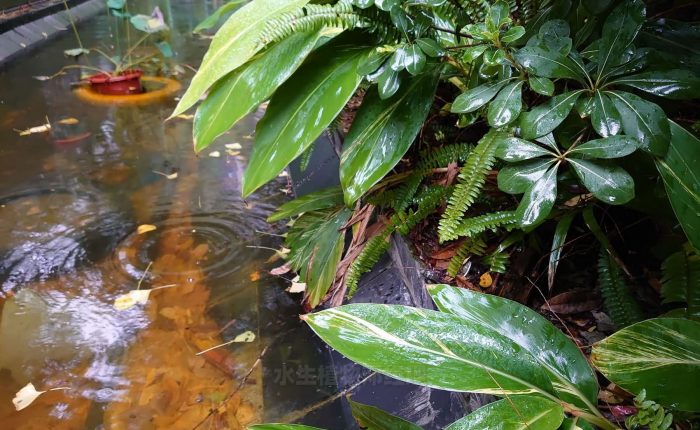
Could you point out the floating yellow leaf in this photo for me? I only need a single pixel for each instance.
(485, 280)
(68, 121)
(28, 394)
(234, 145)
(131, 298)
(255, 276)
(215, 154)
(145, 228)
(247, 337)
(233, 153)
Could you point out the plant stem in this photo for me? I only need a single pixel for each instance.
(72, 24)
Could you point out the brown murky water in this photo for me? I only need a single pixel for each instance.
(69, 247)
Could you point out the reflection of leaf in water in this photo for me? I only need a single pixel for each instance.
(28, 394)
(145, 228)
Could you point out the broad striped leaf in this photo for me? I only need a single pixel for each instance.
(322, 199)
(515, 413)
(660, 355)
(572, 377)
(431, 348)
(234, 44)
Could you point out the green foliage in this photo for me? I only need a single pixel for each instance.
(497, 261)
(490, 221)
(621, 305)
(650, 414)
(371, 418)
(681, 281)
(534, 413)
(309, 18)
(470, 246)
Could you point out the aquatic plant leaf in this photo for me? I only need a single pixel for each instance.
(322, 199)
(427, 347)
(515, 413)
(660, 355)
(145, 228)
(382, 132)
(546, 117)
(371, 418)
(619, 31)
(678, 170)
(214, 18)
(302, 108)
(572, 378)
(241, 91)
(644, 120)
(233, 45)
(610, 183)
(131, 299)
(507, 105)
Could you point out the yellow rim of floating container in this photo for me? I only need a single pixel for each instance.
(167, 88)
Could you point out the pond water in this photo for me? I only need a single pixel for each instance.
(71, 203)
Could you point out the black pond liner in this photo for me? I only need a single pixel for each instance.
(395, 279)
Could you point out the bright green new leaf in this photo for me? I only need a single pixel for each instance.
(546, 117)
(515, 413)
(619, 31)
(673, 84)
(322, 199)
(371, 418)
(431, 348)
(382, 132)
(541, 85)
(610, 147)
(644, 120)
(514, 149)
(558, 242)
(572, 377)
(660, 355)
(475, 98)
(238, 93)
(605, 118)
(234, 44)
(519, 177)
(608, 182)
(214, 18)
(507, 105)
(498, 15)
(538, 201)
(301, 109)
(682, 181)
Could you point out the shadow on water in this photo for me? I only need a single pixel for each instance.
(69, 211)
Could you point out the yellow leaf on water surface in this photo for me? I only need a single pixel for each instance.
(130, 299)
(145, 228)
(233, 146)
(44, 128)
(485, 280)
(255, 276)
(28, 394)
(247, 337)
(68, 121)
(167, 176)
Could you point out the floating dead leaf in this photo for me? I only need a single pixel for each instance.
(281, 270)
(68, 121)
(42, 78)
(145, 228)
(44, 128)
(134, 297)
(28, 394)
(167, 176)
(245, 337)
(234, 146)
(186, 116)
(255, 276)
(215, 154)
(485, 280)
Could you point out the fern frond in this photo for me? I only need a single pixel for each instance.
(497, 261)
(311, 17)
(471, 180)
(433, 158)
(470, 246)
(365, 261)
(479, 224)
(475, 10)
(428, 200)
(406, 191)
(379, 23)
(621, 305)
(681, 281)
(306, 157)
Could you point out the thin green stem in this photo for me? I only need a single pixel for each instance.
(72, 24)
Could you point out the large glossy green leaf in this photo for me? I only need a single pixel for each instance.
(516, 413)
(661, 356)
(371, 418)
(214, 18)
(644, 120)
(541, 85)
(281, 427)
(538, 201)
(610, 147)
(301, 109)
(546, 117)
(673, 84)
(431, 348)
(682, 180)
(507, 105)
(514, 149)
(558, 242)
(322, 199)
(548, 64)
(572, 377)
(234, 44)
(239, 92)
(605, 118)
(382, 132)
(475, 98)
(519, 177)
(620, 29)
(610, 183)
